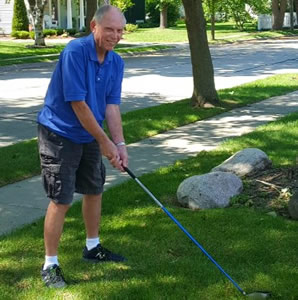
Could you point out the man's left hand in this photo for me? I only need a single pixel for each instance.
(123, 156)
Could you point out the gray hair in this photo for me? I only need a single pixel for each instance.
(101, 11)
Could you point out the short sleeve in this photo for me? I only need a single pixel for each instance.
(73, 76)
(114, 96)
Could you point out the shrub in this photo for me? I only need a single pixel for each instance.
(131, 27)
(60, 31)
(20, 20)
(49, 32)
(21, 34)
(71, 31)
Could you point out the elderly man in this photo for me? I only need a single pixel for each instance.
(85, 89)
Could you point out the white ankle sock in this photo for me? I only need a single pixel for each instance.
(92, 243)
(50, 260)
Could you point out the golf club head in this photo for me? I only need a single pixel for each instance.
(258, 295)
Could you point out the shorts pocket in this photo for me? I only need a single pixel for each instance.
(52, 183)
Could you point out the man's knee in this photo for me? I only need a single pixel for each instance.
(57, 207)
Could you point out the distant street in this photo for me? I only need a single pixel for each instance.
(149, 80)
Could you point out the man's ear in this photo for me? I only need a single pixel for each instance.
(92, 25)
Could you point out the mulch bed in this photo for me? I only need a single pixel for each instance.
(270, 190)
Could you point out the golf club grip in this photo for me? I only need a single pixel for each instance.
(130, 173)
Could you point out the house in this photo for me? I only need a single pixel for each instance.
(66, 14)
(6, 11)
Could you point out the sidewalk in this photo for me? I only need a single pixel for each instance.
(24, 202)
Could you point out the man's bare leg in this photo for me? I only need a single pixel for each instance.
(53, 227)
(91, 209)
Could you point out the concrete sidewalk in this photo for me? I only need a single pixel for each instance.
(24, 202)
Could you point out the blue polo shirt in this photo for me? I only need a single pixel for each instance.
(79, 76)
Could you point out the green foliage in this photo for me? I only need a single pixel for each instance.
(60, 31)
(21, 34)
(20, 20)
(46, 32)
(71, 32)
(122, 4)
(32, 35)
(49, 32)
(131, 28)
(235, 9)
(153, 8)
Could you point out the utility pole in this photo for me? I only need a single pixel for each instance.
(292, 15)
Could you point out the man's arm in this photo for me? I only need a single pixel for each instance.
(88, 121)
(113, 117)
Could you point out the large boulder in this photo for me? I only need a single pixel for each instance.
(245, 162)
(293, 206)
(210, 190)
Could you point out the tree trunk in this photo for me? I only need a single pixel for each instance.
(296, 9)
(204, 93)
(91, 9)
(36, 13)
(278, 10)
(164, 17)
(212, 20)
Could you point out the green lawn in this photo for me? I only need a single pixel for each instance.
(259, 251)
(224, 33)
(20, 161)
(17, 53)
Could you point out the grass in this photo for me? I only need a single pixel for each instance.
(257, 250)
(17, 53)
(20, 161)
(224, 33)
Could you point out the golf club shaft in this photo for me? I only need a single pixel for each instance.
(184, 230)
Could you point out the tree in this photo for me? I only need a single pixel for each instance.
(20, 19)
(237, 10)
(204, 93)
(210, 7)
(91, 9)
(278, 9)
(35, 9)
(93, 4)
(122, 4)
(163, 6)
(296, 8)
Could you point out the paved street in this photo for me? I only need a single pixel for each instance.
(149, 80)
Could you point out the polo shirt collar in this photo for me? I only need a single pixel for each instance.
(92, 50)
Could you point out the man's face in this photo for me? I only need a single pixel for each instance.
(109, 32)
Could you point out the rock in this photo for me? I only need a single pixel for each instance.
(293, 206)
(210, 190)
(245, 162)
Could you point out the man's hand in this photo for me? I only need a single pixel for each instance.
(110, 151)
(123, 156)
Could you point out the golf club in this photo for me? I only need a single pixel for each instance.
(255, 295)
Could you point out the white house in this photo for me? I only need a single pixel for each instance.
(58, 13)
(6, 11)
(66, 14)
